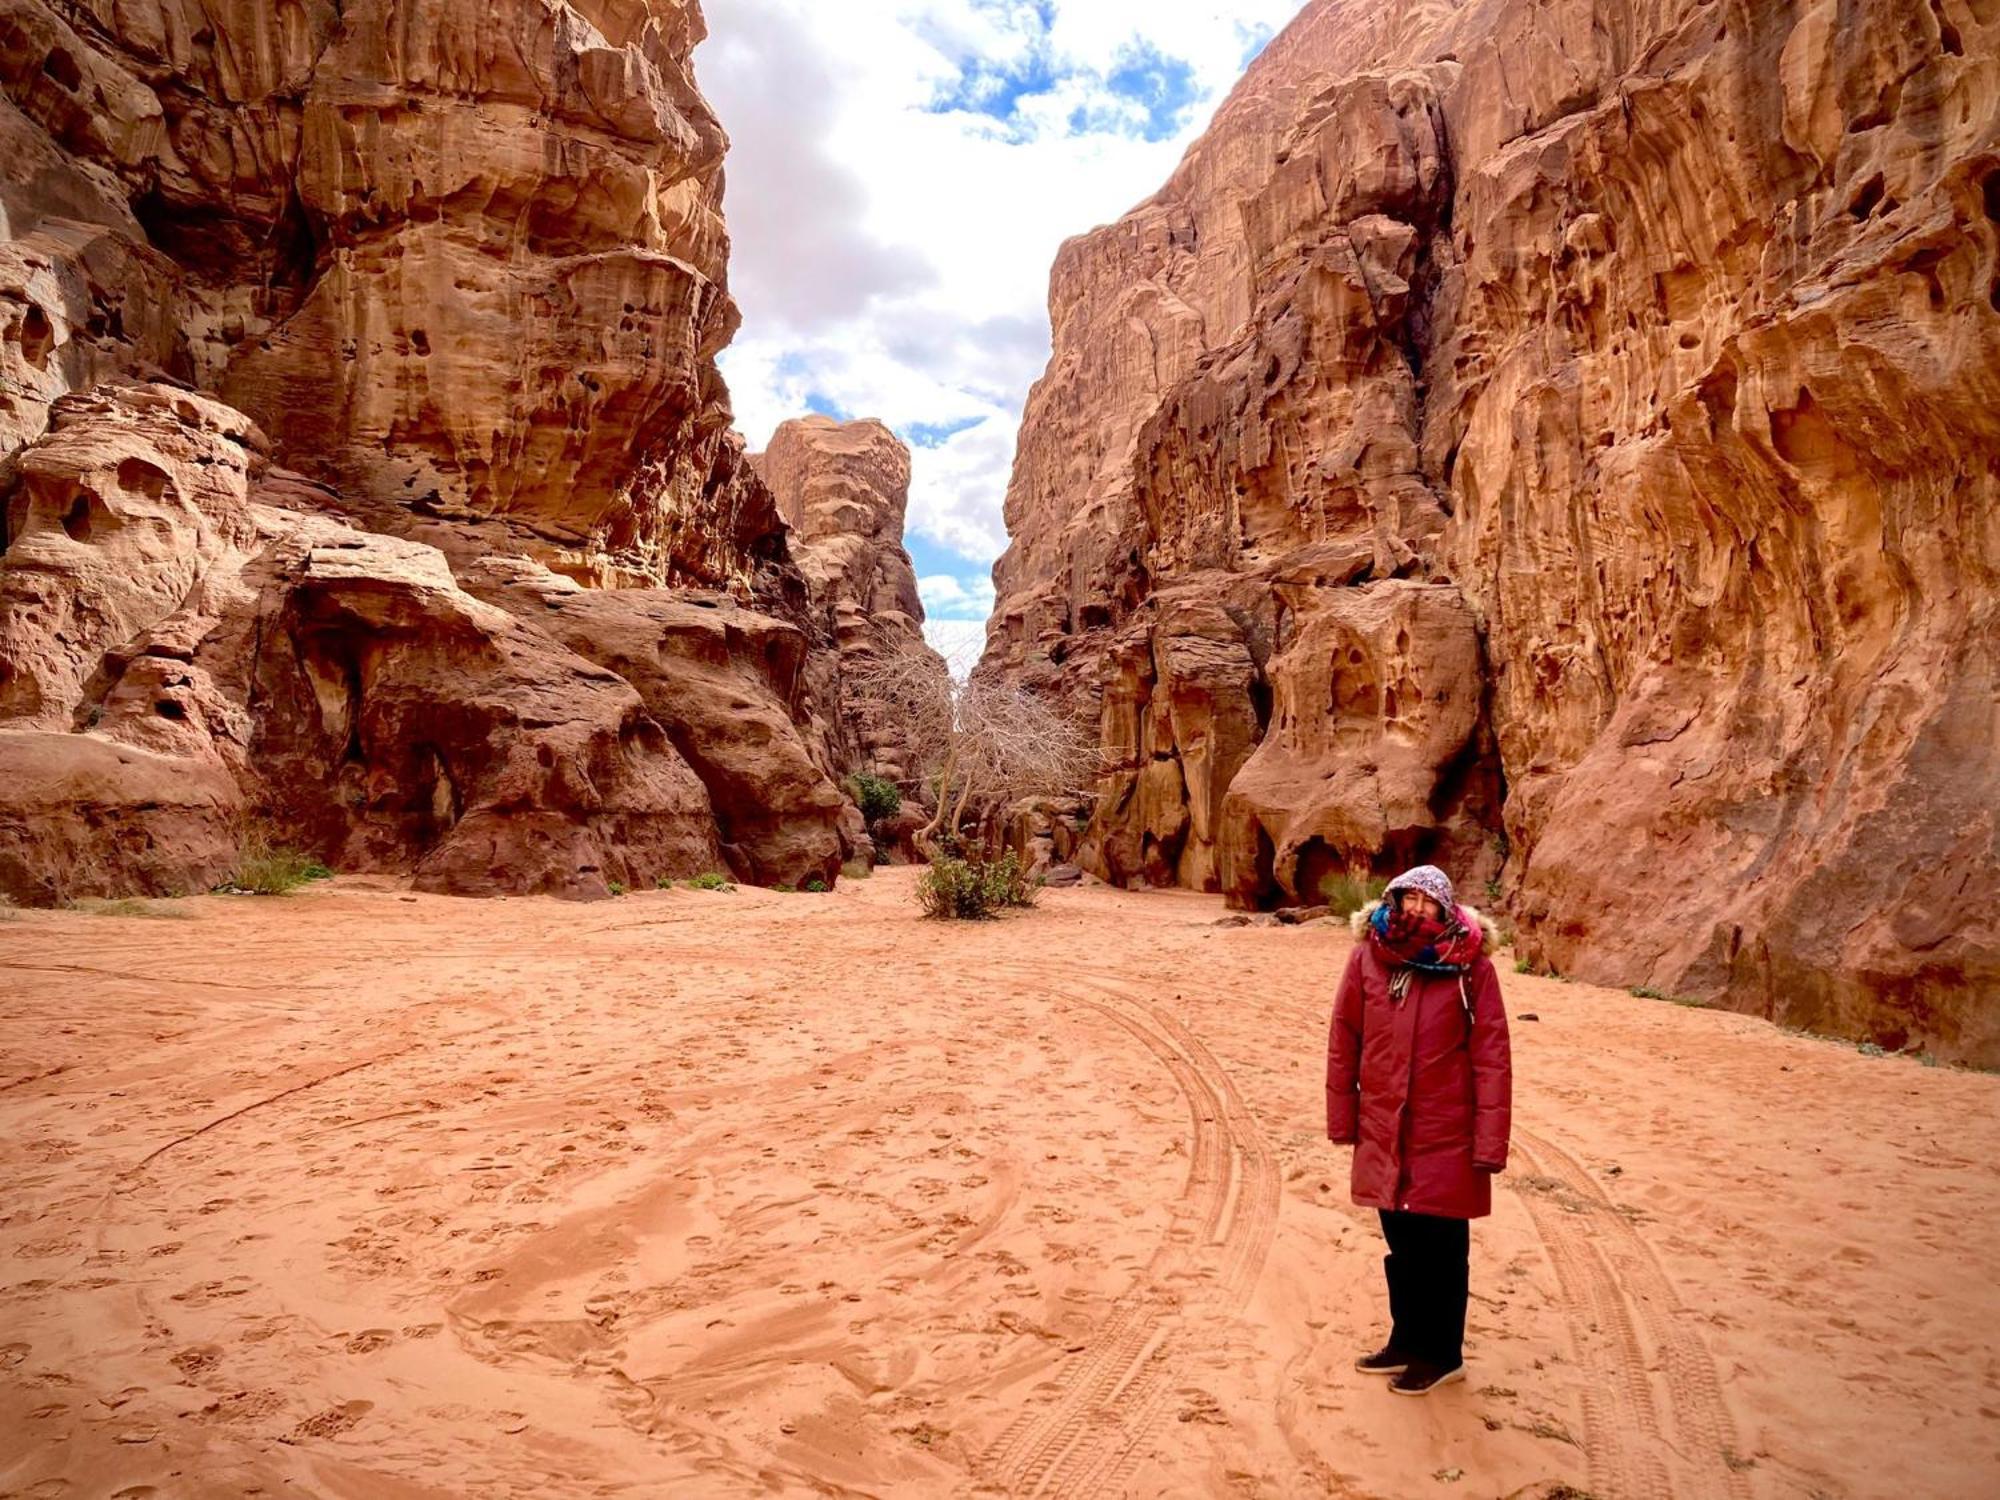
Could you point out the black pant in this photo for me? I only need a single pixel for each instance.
(1428, 1267)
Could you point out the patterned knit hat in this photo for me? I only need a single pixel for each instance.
(1429, 879)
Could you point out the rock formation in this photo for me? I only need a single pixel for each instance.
(1558, 439)
(339, 346)
(843, 490)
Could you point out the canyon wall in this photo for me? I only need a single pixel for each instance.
(366, 479)
(1558, 440)
(843, 490)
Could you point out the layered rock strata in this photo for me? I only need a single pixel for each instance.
(844, 489)
(338, 345)
(1558, 439)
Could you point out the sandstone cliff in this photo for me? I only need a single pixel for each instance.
(1559, 440)
(340, 345)
(844, 489)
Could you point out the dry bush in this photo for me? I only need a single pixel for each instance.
(978, 745)
(274, 870)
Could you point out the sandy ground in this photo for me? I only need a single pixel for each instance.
(362, 1194)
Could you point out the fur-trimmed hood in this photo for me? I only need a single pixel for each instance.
(1489, 933)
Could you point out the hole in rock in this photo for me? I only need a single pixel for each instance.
(420, 341)
(138, 477)
(1868, 199)
(60, 66)
(1990, 190)
(166, 708)
(38, 337)
(77, 520)
(1317, 868)
(1264, 892)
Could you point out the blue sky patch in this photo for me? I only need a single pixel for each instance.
(1255, 40)
(1149, 93)
(1164, 87)
(937, 434)
(826, 406)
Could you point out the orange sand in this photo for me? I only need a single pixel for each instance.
(360, 1194)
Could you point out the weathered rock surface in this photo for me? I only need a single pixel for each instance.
(469, 259)
(326, 334)
(843, 489)
(1560, 431)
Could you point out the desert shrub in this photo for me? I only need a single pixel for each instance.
(1347, 894)
(710, 881)
(815, 886)
(1006, 883)
(663, 882)
(957, 888)
(952, 889)
(877, 799)
(274, 870)
(857, 869)
(617, 887)
(785, 888)
(1522, 966)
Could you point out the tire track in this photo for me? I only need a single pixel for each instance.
(1088, 1438)
(1655, 1424)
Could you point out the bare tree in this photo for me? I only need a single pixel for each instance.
(981, 745)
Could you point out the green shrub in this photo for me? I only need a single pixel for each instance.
(956, 888)
(1522, 966)
(1347, 894)
(877, 799)
(857, 869)
(274, 870)
(617, 887)
(816, 886)
(952, 890)
(663, 882)
(1646, 992)
(710, 881)
(786, 888)
(1006, 883)
(881, 853)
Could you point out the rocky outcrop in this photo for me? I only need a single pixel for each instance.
(466, 260)
(1563, 434)
(337, 346)
(843, 489)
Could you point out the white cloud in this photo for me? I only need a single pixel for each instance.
(892, 258)
(951, 598)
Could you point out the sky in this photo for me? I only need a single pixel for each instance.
(900, 175)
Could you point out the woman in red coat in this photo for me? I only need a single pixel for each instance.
(1419, 1082)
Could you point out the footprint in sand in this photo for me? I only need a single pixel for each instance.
(369, 1340)
(332, 1422)
(196, 1360)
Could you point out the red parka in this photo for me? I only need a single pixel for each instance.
(1422, 1091)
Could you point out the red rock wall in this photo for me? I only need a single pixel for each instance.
(844, 489)
(1560, 434)
(338, 343)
